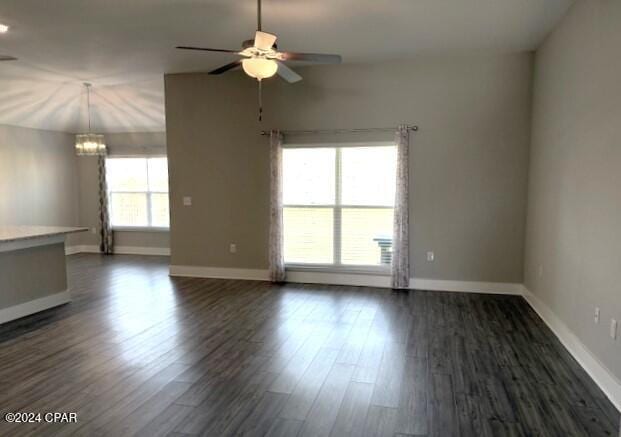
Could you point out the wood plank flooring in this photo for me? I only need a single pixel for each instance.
(139, 353)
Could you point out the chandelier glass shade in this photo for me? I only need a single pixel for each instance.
(89, 144)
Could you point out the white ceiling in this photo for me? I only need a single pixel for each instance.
(125, 46)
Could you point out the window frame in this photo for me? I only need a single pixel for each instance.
(147, 228)
(337, 208)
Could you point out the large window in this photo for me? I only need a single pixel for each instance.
(338, 205)
(138, 192)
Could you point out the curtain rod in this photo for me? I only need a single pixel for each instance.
(339, 131)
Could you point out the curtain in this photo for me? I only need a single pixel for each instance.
(276, 256)
(106, 244)
(400, 240)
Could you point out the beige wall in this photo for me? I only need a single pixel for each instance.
(573, 256)
(118, 144)
(38, 178)
(469, 160)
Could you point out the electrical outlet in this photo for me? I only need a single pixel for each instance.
(596, 318)
(94, 230)
(613, 329)
(187, 201)
(431, 256)
(233, 248)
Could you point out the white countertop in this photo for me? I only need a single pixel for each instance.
(10, 234)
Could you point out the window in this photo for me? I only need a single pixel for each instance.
(138, 192)
(338, 205)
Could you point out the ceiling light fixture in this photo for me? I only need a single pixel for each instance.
(260, 68)
(4, 28)
(89, 144)
(261, 59)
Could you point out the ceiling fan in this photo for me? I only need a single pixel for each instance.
(261, 59)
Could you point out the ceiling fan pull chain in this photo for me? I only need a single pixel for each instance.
(260, 100)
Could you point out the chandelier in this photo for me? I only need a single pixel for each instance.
(89, 144)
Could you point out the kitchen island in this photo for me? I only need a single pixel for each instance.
(33, 272)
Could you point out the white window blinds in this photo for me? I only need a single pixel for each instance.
(338, 205)
(138, 192)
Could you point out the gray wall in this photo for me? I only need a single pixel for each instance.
(17, 283)
(573, 256)
(38, 178)
(469, 160)
(43, 182)
(118, 144)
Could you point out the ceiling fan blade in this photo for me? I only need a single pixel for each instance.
(226, 68)
(288, 74)
(310, 57)
(204, 49)
(264, 40)
(7, 58)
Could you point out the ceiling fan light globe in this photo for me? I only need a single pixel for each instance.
(260, 68)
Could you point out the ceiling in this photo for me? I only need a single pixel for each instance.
(124, 47)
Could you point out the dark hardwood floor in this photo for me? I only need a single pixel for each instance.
(139, 353)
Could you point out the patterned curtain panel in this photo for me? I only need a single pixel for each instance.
(276, 256)
(106, 245)
(401, 242)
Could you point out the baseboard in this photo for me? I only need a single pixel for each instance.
(466, 286)
(602, 376)
(135, 250)
(120, 250)
(219, 273)
(34, 306)
(359, 280)
(332, 278)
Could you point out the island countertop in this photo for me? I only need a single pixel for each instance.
(9, 234)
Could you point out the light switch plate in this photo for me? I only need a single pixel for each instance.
(187, 201)
(431, 256)
(233, 248)
(613, 329)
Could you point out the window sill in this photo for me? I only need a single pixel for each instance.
(361, 270)
(139, 229)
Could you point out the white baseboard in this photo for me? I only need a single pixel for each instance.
(602, 376)
(120, 250)
(355, 279)
(34, 306)
(466, 286)
(219, 273)
(360, 280)
(135, 250)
